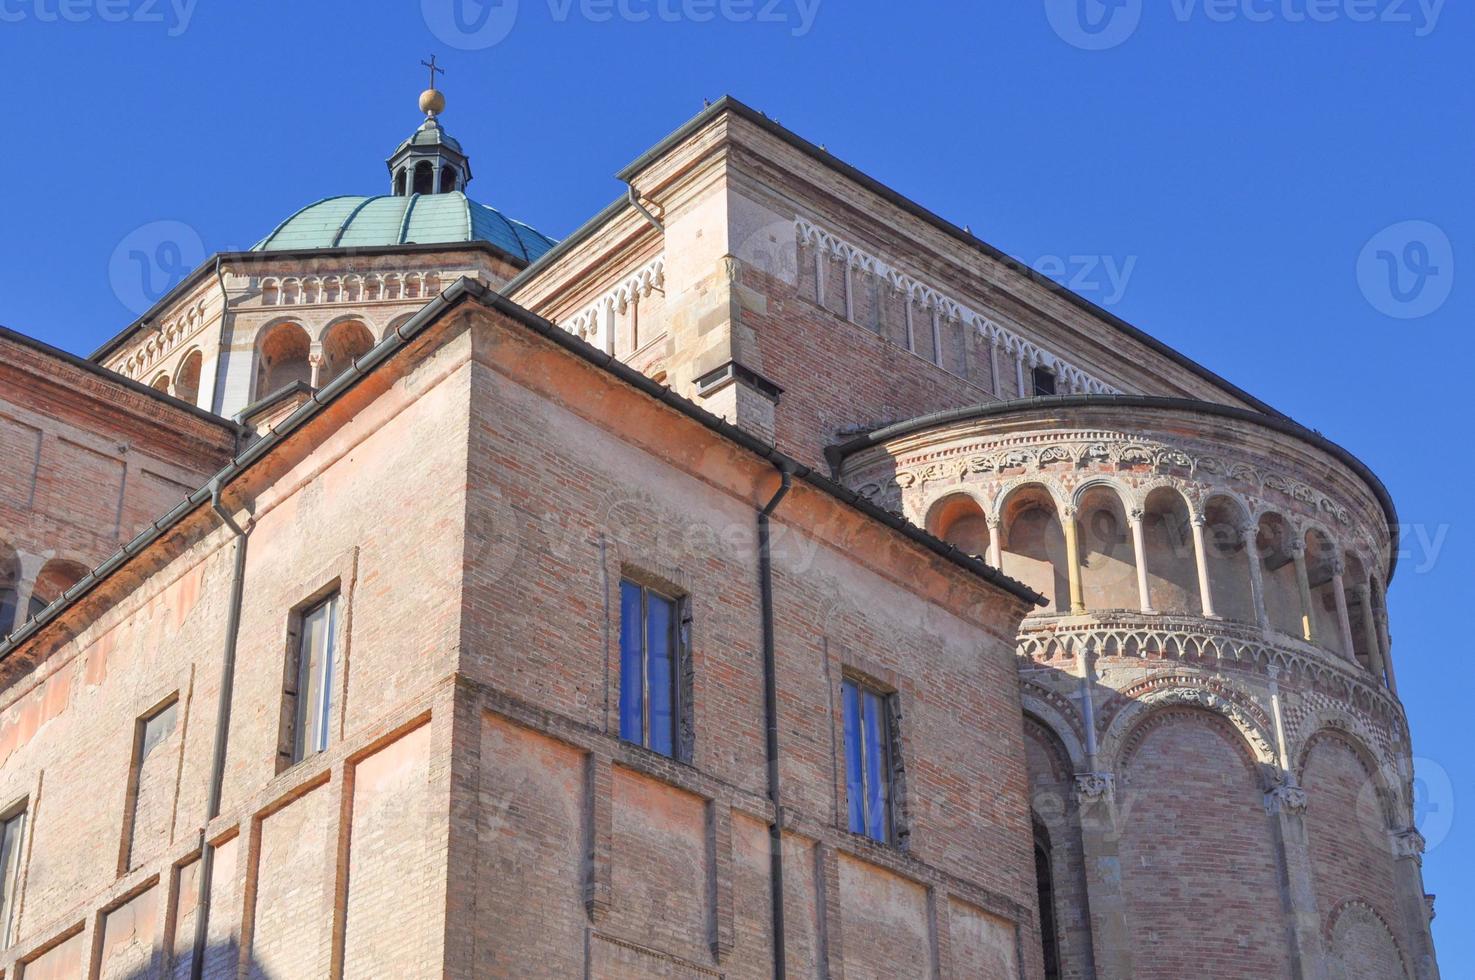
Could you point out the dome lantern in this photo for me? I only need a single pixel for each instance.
(431, 160)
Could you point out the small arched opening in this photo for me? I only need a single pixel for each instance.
(1033, 545)
(281, 358)
(424, 177)
(1108, 558)
(160, 382)
(958, 520)
(1321, 564)
(1359, 612)
(399, 182)
(1278, 575)
(447, 179)
(187, 378)
(55, 577)
(342, 344)
(1228, 560)
(1172, 569)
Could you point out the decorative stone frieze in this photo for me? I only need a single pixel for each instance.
(927, 297)
(591, 323)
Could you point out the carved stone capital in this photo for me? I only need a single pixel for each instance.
(1095, 787)
(1409, 844)
(1286, 798)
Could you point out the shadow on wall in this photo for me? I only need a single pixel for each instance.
(221, 960)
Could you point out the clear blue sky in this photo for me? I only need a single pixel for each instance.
(1229, 163)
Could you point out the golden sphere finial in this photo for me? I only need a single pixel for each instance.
(432, 102)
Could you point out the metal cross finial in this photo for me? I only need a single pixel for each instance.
(433, 69)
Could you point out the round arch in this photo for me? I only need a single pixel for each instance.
(187, 377)
(958, 518)
(282, 351)
(1032, 541)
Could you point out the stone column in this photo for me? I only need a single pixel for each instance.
(1139, 550)
(1344, 620)
(1111, 940)
(1303, 584)
(995, 543)
(1386, 640)
(1201, 558)
(1019, 373)
(315, 365)
(1285, 805)
(993, 365)
(1073, 561)
(1370, 628)
(1251, 532)
(1413, 904)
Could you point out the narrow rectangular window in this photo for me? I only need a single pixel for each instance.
(868, 760)
(12, 839)
(1044, 381)
(313, 694)
(145, 822)
(650, 669)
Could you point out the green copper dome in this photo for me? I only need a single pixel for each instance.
(344, 222)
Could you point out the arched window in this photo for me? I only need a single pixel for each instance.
(399, 183)
(282, 358)
(344, 342)
(447, 179)
(160, 383)
(9, 587)
(187, 378)
(424, 177)
(55, 577)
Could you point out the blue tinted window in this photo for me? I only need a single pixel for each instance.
(660, 626)
(867, 761)
(632, 664)
(855, 786)
(649, 674)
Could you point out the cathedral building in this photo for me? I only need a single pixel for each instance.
(767, 579)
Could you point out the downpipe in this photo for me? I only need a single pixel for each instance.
(770, 717)
(222, 730)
